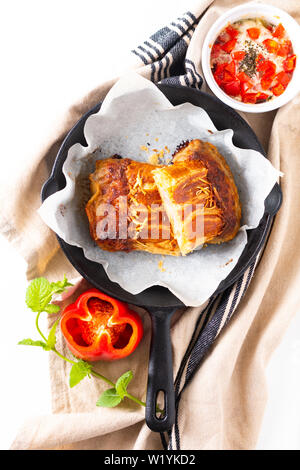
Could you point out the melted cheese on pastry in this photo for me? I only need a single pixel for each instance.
(200, 196)
(138, 221)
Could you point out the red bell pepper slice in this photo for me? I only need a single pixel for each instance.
(233, 33)
(283, 78)
(255, 98)
(229, 45)
(253, 33)
(278, 89)
(232, 88)
(227, 77)
(279, 31)
(289, 64)
(284, 49)
(266, 66)
(224, 72)
(271, 45)
(266, 81)
(244, 88)
(218, 73)
(261, 97)
(243, 77)
(215, 51)
(230, 68)
(249, 97)
(238, 55)
(99, 327)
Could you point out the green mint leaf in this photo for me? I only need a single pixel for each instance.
(78, 372)
(109, 399)
(38, 294)
(122, 383)
(51, 341)
(51, 308)
(30, 342)
(60, 286)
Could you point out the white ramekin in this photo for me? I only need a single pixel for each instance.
(273, 15)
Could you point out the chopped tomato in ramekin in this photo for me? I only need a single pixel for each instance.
(252, 60)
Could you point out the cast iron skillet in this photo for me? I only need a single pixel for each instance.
(159, 301)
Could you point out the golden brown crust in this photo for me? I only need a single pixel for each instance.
(190, 202)
(112, 175)
(134, 182)
(220, 177)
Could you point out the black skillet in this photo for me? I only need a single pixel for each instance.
(159, 301)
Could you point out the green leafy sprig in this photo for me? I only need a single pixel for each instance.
(39, 296)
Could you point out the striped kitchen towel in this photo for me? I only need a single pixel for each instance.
(167, 58)
(208, 326)
(164, 54)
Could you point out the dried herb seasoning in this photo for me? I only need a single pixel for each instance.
(248, 64)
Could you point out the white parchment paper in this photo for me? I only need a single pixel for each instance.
(135, 115)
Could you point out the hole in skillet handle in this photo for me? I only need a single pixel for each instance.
(160, 372)
(160, 404)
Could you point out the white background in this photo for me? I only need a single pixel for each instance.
(52, 53)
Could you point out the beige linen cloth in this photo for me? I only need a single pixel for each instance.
(225, 402)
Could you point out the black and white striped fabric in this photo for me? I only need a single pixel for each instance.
(164, 56)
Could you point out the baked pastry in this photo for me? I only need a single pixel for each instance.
(125, 211)
(169, 210)
(201, 181)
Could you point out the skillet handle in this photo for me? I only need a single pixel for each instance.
(273, 200)
(160, 373)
